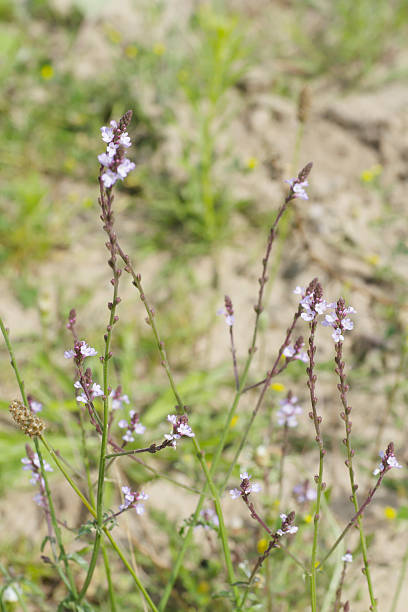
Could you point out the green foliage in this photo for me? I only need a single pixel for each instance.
(346, 38)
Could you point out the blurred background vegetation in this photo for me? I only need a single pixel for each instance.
(229, 99)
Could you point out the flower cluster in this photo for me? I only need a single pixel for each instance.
(339, 320)
(116, 165)
(246, 487)
(92, 391)
(209, 517)
(303, 492)
(227, 311)
(118, 399)
(287, 526)
(180, 428)
(297, 188)
(312, 302)
(32, 463)
(133, 499)
(89, 389)
(292, 352)
(389, 461)
(335, 313)
(80, 351)
(132, 426)
(288, 411)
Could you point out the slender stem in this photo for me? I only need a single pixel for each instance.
(315, 291)
(181, 406)
(13, 362)
(104, 529)
(337, 603)
(105, 200)
(92, 498)
(266, 383)
(234, 357)
(149, 468)
(68, 580)
(353, 520)
(68, 478)
(111, 590)
(345, 415)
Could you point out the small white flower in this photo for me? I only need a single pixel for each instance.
(87, 351)
(245, 476)
(36, 406)
(111, 150)
(109, 178)
(303, 356)
(97, 390)
(107, 133)
(125, 167)
(235, 493)
(229, 319)
(12, 592)
(299, 290)
(69, 354)
(125, 140)
(185, 430)
(308, 315)
(128, 436)
(337, 335)
(172, 418)
(123, 424)
(256, 487)
(105, 160)
(289, 351)
(392, 461)
(139, 508)
(139, 428)
(347, 558)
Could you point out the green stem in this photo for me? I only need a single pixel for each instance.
(92, 498)
(237, 396)
(111, 590)
(68, 580)
(104, 529)
(200, 454)
(313, 568)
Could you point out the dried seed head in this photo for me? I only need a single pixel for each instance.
(30, 424)
(304, 173)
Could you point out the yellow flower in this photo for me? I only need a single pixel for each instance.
(114, 36)
(390, 513)
(47, 72)
(368, 176)
(203, 587)
(234, 420)
(262, 545)
(252, 163)
(131, 51)
(308, 518)
(372, 258)
(278, 387)
(159, 49)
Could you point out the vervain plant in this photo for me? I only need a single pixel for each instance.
(99, 405)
